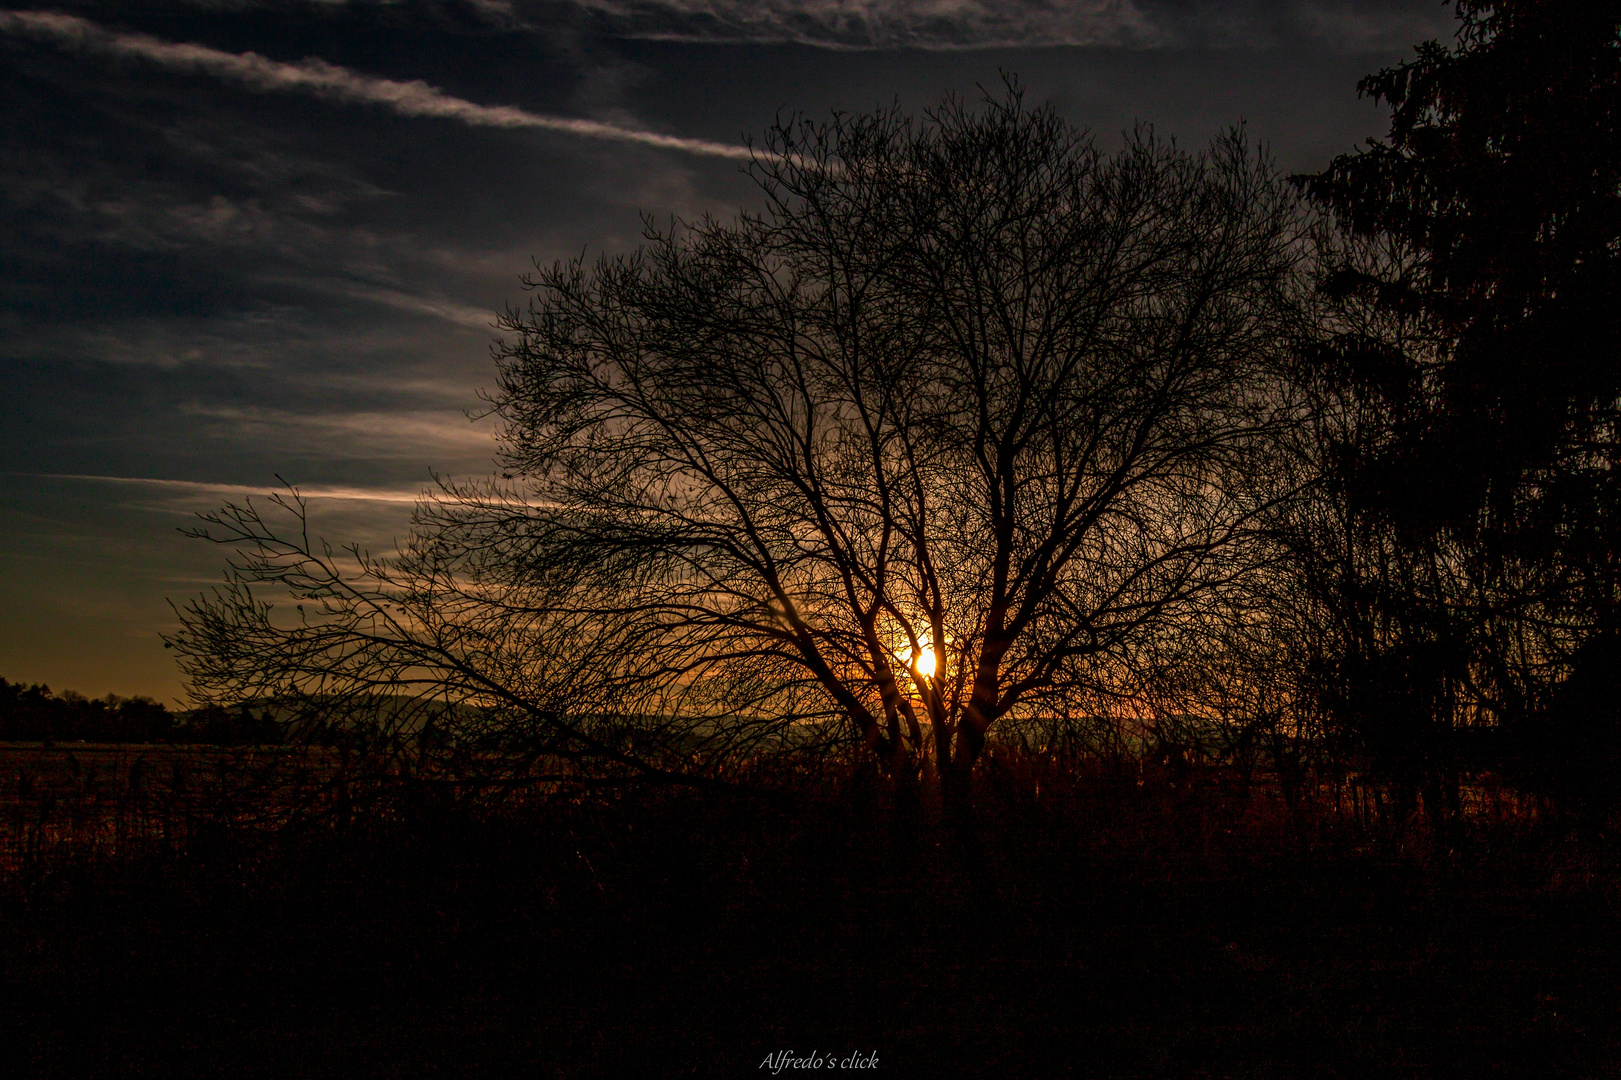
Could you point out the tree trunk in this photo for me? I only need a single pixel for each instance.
(957, 797)
(957, 770)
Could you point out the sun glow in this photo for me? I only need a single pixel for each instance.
(922, 662)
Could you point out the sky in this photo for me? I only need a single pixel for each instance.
(243, 243)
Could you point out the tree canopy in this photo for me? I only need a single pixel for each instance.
(1501, 179)
(1478, 281)
(969, 420)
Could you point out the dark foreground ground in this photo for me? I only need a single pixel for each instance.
(1111, 929)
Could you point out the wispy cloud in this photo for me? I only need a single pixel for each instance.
(884, 24)
(317, 78)
(435, 307)
(400, 435)
(999, 24)
(195, 487)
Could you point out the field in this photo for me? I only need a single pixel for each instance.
(1104, 921)
(119, 800)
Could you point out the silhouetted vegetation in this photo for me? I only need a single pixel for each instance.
(970, 428)
(34, 714)
(1473, 439)
(1126, 919)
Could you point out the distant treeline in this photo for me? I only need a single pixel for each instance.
(35, 714)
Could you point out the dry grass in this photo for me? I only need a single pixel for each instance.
(90, 801)
(1121, 920)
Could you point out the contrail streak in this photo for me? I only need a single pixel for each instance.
(320, 79)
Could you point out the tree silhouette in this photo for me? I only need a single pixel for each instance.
(1502, 175)
(1488, 248)
(964, 424)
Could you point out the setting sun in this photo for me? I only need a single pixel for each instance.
(922, 662)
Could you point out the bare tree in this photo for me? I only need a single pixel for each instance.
(958, 428)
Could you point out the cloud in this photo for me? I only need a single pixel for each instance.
(377, 443)
(1370, 27)
(353, 434)
(194, 487)
(883, 24)
(998, 24)
(318, 78)
(415, 303)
